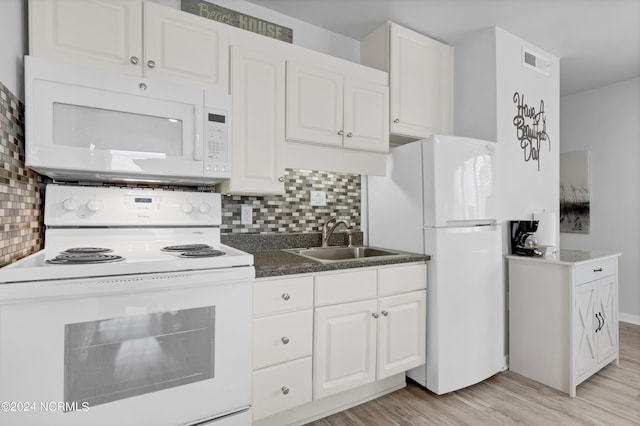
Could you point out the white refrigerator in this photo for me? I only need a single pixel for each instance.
(440, 197)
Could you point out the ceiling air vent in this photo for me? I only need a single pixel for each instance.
(533, 60)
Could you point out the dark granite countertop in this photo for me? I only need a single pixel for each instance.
(270, 260)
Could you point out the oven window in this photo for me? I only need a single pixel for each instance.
(118, 358)
(104, 129)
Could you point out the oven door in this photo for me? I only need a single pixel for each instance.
(82, 122)
(161, 349)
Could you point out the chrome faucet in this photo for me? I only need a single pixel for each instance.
(327, 231)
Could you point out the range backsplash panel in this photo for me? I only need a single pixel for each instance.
(21, 190)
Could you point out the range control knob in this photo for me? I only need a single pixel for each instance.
(93, 205)
(187, 207)
(204, 207)
(69, 204)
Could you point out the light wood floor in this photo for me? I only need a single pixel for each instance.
(610, 397)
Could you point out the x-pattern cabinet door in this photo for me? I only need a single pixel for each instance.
(586, 355)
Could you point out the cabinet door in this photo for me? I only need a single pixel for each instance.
(257, 88)
(401, 333)
(606, 308)
(344, 352)
(366, 112)
(584, 326)
(184, 47)
(102, 33)
(420, 80)
(314, 105)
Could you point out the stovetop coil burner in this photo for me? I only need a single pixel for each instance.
(86, 250)
(85, 255)
(83, 259)
(186, 248)
(210, 252)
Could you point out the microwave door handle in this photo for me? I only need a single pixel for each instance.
(197, 148)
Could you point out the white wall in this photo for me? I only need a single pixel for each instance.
(606, 122)
(12, 45)
(525, 188)
(304, 34)
(488, 71)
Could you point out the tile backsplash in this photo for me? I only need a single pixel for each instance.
(292, 211)
(22, 195)
(20, 188)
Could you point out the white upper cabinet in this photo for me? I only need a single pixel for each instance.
(330, 108)
(420, 80)
(314, 105)
(103, 33)
(108, 34)
(182, 46)
(366, 108)
(257, 89)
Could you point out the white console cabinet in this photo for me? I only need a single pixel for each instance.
(563, 316)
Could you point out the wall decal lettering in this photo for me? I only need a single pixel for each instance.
(531, 128)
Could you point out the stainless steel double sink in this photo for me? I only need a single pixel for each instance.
(340, 254)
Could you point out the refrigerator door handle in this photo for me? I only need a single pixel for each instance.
(476, 228)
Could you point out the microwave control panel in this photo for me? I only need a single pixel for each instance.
(216, 143)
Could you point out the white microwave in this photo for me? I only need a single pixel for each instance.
(87, 124)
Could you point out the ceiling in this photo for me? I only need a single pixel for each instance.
(597, 41)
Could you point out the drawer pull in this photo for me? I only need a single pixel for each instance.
(375, 315)
(285, 390)
(286, 296)
(597, 270)
(385, 313)
(285, 340)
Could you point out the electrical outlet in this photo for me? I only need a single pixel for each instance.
(246, 215)
(318, 198)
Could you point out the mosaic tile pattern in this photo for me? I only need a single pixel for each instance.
(21, 190)
(292, 211)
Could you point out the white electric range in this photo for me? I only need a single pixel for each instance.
(133, 313)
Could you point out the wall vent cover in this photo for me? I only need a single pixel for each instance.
(535, 61)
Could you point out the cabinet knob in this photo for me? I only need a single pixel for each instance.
(281, 179)
(142, 86)
(375, 315)
(285, 340)
(397, 120)
(341, 132)
(151, 64)
(349, 134)
(385, 313)
(597, 270)
(286, 296)
(134, 60)
(285, 390)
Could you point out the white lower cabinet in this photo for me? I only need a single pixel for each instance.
(360, 342)
(367, 326)
(282, 344)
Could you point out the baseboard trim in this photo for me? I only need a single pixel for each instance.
(633, 319)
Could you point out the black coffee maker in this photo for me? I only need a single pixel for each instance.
(523, 240)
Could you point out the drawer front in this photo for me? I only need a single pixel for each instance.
(345, 287)
(282, 295)
(402, 279)
(280, 338)
(281, 387)
(595, 270)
